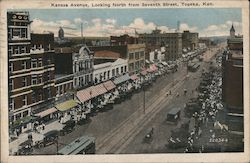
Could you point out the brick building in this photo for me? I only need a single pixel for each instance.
(232, 83)
(172, 42)
(31, 70)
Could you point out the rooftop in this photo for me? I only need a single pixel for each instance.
(106, 54)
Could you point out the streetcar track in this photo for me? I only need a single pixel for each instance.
(142, 123)
(141, 119)
(101, 142)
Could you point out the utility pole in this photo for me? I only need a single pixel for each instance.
(144, 100)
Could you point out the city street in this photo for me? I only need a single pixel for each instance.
(122, 129)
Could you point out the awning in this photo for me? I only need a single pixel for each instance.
(109, 85)
(84, 95)
(46, 112)
(121, 79)
(152, 68)
(134, 77)
(147, 61)
(97, 90)
(144, 72)
(22, 121)
(66, 105)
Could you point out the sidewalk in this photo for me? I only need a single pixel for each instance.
(55, 125)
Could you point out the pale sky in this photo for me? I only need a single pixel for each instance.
(106, 22)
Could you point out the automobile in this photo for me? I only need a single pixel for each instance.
(69, 126)
(50, 137)
(174, 115)
(25, 148)
(191, 107)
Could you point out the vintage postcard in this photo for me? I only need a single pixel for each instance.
(124, 81)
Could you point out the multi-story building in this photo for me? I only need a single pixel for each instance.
(109, 70)
(31, 70)
(78, 61)
(123, 40)
(172, 42)
(83, 61)
(232, 88)
(134, 53)
(190, 40)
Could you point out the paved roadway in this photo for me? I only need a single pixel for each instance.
(122, 129)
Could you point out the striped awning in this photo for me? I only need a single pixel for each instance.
(64, 106)
(109, 85)
(46, 112)
(97, 90)
(134, 77)
(84, 95)
(144, 72)
(121, 79)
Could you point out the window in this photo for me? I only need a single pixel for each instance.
(49, 92)
(23, 49)
(48, 76)
(40, 79)
(33, 63)
(16, 50)
(137, 56)
(34, 79)
(108, 74)
(24, 64)
(16, 33)
(25, 113)
(142, 54)
(137, 65)
(11, 84)
(11, 67)
(131, 66)
(12, 104)
(142, 63)
(125, 68)
(40, 62)
(57, 90)
(18, 116)
(10, 50)
(131, 55)
(23, 33)
(24, 100)
(122, 69)
(117, 71)
(24, 82)
(33, 97)
(104, 75)
(113, 72)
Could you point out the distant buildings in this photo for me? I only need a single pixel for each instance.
(190, 40)
(173, 42)
(31, 71)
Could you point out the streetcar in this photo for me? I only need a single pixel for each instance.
(82, 145)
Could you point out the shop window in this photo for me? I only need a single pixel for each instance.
(25, 113)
